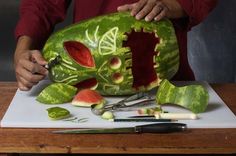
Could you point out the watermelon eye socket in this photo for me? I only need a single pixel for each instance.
(79, 53)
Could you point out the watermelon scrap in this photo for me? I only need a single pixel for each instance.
(87, 97)
(192, 97)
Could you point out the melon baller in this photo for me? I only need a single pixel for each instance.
(130, 103)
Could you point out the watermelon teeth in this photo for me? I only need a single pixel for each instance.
(143, 73)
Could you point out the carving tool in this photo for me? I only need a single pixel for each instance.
(149, 128)
(175, 116)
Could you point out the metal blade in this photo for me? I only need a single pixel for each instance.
(142, 116)
(53, 62)
(97, 131)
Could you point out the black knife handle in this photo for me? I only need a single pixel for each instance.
(161, 128)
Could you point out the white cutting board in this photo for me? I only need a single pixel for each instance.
(24, 111)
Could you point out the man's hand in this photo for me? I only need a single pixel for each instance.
(28, 65)
(154, 9)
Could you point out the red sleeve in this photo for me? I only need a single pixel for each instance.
(197, 10)
(38, 18)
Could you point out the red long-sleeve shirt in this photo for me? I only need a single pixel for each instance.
(38, 18)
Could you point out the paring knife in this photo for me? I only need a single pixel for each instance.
(149, 128)
(175, 116)
(53, 62)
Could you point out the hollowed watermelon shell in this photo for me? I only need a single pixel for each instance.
(148, 52)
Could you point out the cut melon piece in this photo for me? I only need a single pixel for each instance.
(87, 97)
(57, 93)
(108, 115)
(57, 113)
(192, 97)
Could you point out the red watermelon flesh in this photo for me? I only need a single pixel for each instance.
(80, 53)
(87, 84)
(142, 45)
(87, 97)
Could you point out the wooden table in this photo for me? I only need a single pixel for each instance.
(19, 140)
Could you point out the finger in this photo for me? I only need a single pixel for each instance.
(40, 70)
(28, 76)
(37, 56)
(26, 84)
(145, 10)
(20, 85)
(155, 11)
(126, 7)
(161, 15)
(137, 7)
(33, 67)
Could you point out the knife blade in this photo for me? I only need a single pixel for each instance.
(149, 128)
(53, 62)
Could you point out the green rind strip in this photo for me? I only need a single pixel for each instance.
(57, 93)
(57, 113)
(192, 97)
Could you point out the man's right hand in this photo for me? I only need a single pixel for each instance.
(28, 65)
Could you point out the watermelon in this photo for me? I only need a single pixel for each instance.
(192, 97)
(57, 93)
(123, 55)
(87, 97)
(57, 113)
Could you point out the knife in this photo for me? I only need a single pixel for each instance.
(142, 120)
(53, 62)
(149, 128)
(174, 116)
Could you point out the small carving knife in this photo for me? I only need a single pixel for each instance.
(174, 116)
(53, 62)
(150, 128)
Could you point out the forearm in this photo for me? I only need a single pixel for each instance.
(24, 43)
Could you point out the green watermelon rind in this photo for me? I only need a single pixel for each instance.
(58, 113)
(167, 60)
(57, 93)
(191, 97)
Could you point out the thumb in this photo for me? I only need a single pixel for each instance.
(37, 56)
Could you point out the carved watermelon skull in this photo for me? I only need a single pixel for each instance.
(116, 52)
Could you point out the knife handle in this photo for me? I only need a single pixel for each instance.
(161, 128)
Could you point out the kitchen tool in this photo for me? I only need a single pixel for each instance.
(150, 128)
(141, 120)
(125, 104)
(175, 116)
(53, 62)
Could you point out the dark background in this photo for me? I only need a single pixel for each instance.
(211, 46)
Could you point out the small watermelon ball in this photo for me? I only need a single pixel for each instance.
(87, 97)
(115, 63)
(117, 78)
